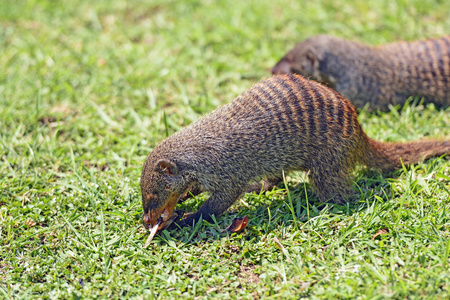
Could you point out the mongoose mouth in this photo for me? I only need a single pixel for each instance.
(160, 225)
(164, 221)
(162, 217)
(155, 218)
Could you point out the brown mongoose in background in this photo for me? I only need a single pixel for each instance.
(382, 75)
(283, 123)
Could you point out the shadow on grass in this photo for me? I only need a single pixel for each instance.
(270, 210)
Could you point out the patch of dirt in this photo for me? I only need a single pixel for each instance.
(193, 277)
(48, 120)
(100, 167)
(232, 249)
(247, 275)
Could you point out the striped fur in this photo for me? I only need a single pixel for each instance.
(283, 123)
(382, 75)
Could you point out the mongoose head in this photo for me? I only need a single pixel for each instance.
(303, 60)
(160, 184)
(307, 58)
(299, 62)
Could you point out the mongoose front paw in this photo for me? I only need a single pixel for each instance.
(188, 219)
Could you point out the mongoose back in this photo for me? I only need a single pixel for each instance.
(381, 75)
(283, 123)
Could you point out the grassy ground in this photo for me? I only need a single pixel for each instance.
(84, 90)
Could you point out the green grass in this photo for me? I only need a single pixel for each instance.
(84, 90)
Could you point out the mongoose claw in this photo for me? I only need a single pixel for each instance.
(185, 220)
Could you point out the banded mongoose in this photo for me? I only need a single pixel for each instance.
(283, 123)
(382, 75)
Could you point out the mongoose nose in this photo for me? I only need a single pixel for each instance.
(147, 219)
(282, 67)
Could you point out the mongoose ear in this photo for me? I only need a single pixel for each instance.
(312, 59)
(166, 166)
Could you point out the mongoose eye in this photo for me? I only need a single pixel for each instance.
(155, 198)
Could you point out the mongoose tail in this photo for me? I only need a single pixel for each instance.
(389, 156)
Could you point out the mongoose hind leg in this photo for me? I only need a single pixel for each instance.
(333, 188)
(330, 179)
